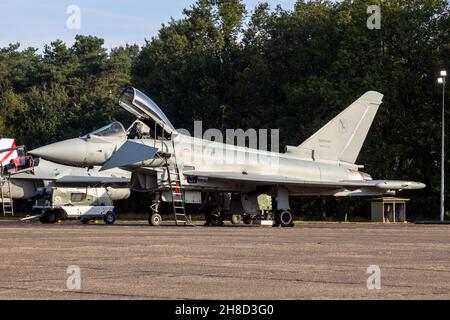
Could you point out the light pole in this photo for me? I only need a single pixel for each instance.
(442, 80)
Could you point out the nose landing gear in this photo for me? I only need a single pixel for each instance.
(155, 219)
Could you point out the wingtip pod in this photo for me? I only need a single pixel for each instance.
(400, 185)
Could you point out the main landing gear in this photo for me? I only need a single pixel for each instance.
(213, 218)
(283, 215)
(216, 209)
(283, 218)
(212, 207)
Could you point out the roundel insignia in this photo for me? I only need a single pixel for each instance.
(186, 152)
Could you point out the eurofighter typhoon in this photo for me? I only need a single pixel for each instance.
(182, 169)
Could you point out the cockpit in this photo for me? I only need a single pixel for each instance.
(114, 129)
(139, 130)
(151, 121)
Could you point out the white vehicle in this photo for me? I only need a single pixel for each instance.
(82, 204)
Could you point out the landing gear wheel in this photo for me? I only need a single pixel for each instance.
(284, 218)
(235, 218)
(154, 219)
(51, 217)
(85, 221)
(247, 219)
(109, 218)
(213, 219)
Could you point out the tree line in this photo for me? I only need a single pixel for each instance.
(291, 70)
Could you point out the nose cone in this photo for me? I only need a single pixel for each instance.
(70, 152)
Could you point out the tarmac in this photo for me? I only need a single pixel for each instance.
(131, 260)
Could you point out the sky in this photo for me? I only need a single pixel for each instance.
(36, 23)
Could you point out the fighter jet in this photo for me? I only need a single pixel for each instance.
(182, 169)
(26, 180)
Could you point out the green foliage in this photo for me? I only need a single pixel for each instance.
(292, 70)
(64, 92)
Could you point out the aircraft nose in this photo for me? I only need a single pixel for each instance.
(70, 152)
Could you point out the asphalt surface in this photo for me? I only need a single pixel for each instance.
(311, 261)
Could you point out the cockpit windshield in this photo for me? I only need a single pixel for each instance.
(114, 129)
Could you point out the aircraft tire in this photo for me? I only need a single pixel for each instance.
(247, 219)
(214, 219)
(285, 218)
(236, 218)
(109, 217)
(51, 217)
(217, 222)
(154, 219)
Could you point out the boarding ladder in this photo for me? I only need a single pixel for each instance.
(174, 181)
(6, 195)
(176, 189)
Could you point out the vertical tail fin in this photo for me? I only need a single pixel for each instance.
(342, 138)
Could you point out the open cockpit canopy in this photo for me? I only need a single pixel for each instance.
(144, 108)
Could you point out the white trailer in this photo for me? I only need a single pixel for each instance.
(82, 204)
